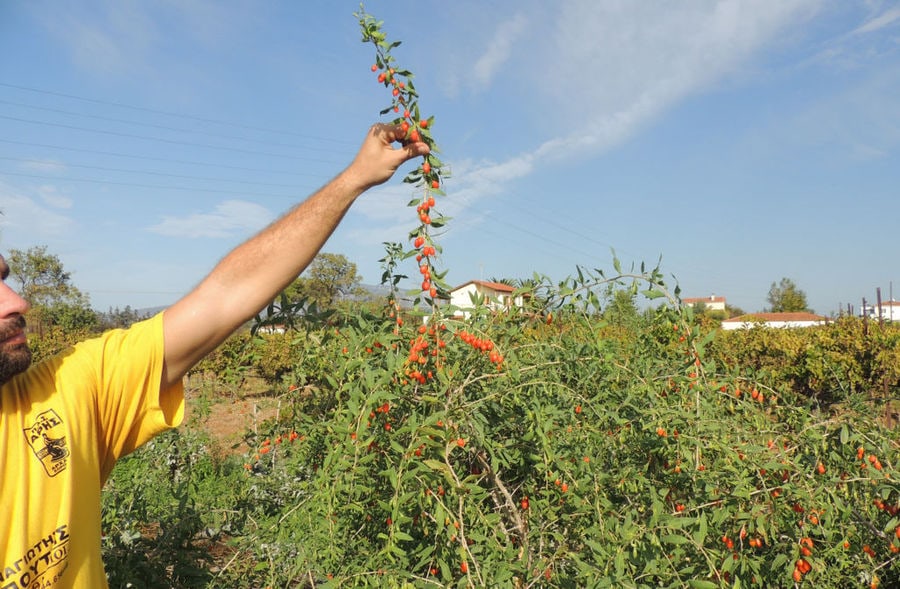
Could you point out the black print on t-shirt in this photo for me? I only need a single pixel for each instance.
(41, 566)
(47, 438)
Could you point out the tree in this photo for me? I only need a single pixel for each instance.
(786, 297)
(328, 278)
(621, 309)
(120, 317)
(48, 288)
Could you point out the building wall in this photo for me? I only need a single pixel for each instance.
(462, 298)
(711, 303)
(729, 325)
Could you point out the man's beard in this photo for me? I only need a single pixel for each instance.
(14, 358)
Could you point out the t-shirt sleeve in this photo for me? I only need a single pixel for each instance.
(132, 407)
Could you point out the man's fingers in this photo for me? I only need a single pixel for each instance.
(416, 149)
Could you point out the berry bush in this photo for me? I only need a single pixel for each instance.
(552, 445)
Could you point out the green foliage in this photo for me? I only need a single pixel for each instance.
(597, 454)
(163, 508)
(52, 340)
(47, 286)
(230, 361)
(786, 297)
(120, 318)
(329, 278)
(828, 363)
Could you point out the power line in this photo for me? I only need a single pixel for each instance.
(167, 113)
(154, 173)
(156, 159)
(152, 186)
(163, 140)
(162, 127)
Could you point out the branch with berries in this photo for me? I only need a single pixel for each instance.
(426, 350)
(429, 176)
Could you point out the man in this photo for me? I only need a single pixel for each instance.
(65, 422)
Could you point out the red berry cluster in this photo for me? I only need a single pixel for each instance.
(269, 444)
(483, 345)
(424, 353)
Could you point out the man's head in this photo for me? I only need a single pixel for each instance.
(15, 356)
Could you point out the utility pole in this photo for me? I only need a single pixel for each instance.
(880, 311)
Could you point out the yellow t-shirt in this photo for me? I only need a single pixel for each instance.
(64, 424)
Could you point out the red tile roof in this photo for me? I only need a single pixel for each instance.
(710, 299)
(498, 286)
(770, 317)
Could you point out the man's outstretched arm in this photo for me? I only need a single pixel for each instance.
(251, 275)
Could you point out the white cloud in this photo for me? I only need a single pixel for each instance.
(230, 218)
(44, 166)
(618, 65)
(24, 220)
(105, 36)
(469, 183)
(52, 197)
(113, 37)
(861, 121)
(498, 52)
(607, 68)
(876, 23)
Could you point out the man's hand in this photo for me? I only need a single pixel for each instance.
(378, 159)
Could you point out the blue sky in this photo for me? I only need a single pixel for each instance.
(741, 141)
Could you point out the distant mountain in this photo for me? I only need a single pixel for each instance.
(372, 292)
(150, 311)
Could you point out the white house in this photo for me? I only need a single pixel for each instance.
(774, 320)
(890, 310)
(496, 296)
(712, 302)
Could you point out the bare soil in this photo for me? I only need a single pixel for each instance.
(226, 417)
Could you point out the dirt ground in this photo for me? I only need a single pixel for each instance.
(227, 417)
